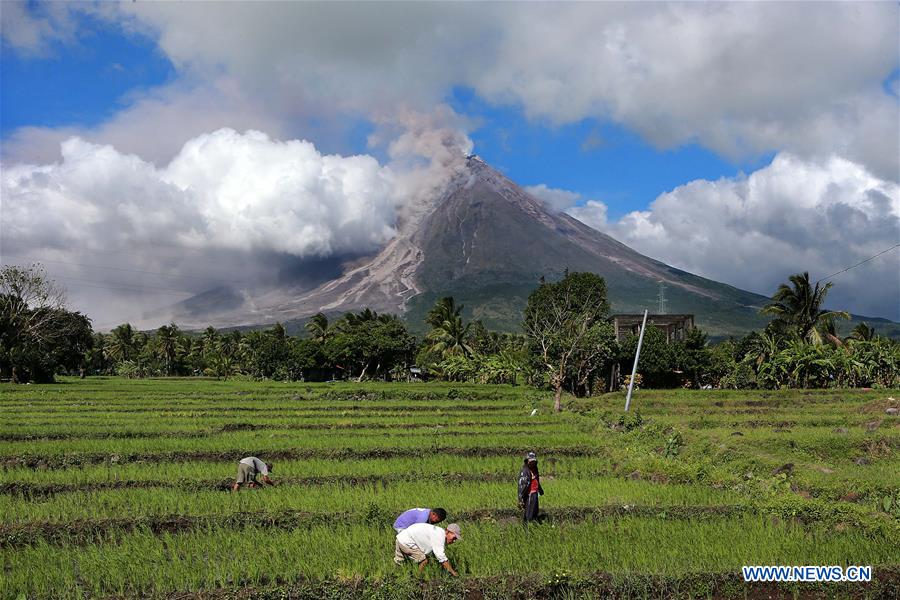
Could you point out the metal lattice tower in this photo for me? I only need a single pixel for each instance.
(662, 298)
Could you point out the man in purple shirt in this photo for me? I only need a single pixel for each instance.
(419, 515)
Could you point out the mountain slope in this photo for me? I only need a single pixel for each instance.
(487, 242)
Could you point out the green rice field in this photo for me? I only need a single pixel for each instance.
(113, 488)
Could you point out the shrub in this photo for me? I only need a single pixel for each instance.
(129, 369)
(741, 377)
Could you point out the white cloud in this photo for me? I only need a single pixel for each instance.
(155, 125)
(254, 193)
(592, 212)
(793, 215)
(225, 209)
(739, 78)
(33, 31)
(555, 199)
(589, 212)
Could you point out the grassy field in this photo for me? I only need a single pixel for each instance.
(117, 488)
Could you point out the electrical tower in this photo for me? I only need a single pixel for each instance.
(662, 298)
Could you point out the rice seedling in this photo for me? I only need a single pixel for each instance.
(117, 487)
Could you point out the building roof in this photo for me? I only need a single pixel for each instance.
(630, 319)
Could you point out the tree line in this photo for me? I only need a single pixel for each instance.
(567, 344)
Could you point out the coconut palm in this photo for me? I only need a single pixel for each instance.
(167, 346)
(387, 319)
(828, 331)
(444, 309)
(798, 308)
(318, 328)
(121, 343)
(863, 332)
(221, 365)
(352, 320)
(230, 344)
(449, 336)
(209, 340)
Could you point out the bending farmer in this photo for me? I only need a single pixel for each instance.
(419, 539)
(530, 487)
(419, 515)
(248, 469)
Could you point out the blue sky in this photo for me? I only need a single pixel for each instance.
(79, 84)
(600, 160)
(702, 135)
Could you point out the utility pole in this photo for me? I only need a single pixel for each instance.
(637, 355)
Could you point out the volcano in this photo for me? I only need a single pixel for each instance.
(487, 242)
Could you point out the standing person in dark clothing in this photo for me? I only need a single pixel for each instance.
(530, 487)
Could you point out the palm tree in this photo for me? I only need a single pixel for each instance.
(210, 339)
(167, 345)
(863, 332)
(121, 345)
(443, 310)
(830, 334)
(230, 344)
(387, 319)
(98, 355)
(449, 336)
(352, 320)
(799, 307)
(222, 366)
(318, 327)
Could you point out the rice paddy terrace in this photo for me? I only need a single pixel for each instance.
(117, 488)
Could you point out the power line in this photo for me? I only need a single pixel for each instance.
(894, 247)
(90, 266)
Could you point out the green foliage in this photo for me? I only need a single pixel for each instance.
(863, 332)
(658, 359)
(117, 488)
(378, 514)
(689, 362)
(798, 308)
(363, 345)
(566, 327)
(267, 354)
(39, 337)
(630, 420)
(449, 335)
(674, 443)
(129, 369)
(794, 363)
(568, 345)
(370, 345)
(740, 377)
(319, 328)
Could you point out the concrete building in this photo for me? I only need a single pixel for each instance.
(676, 327)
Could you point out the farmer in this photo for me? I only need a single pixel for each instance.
(248, 469)
(419, 515)
(419, 539)
(530, 487)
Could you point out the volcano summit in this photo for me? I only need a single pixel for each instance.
(487, 242)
